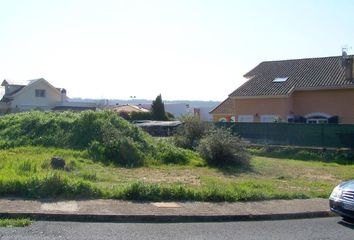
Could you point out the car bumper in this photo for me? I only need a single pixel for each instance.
(337, 207)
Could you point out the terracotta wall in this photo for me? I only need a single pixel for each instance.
(333, 102)
(263, 106)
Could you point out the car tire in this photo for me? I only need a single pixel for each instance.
(348, 219)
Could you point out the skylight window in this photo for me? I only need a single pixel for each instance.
(281, 79)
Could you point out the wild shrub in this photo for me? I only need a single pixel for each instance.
(190, 132)
(105, 135)
(96, 151)
(34, 128)
(220, 148)
(125, 115)
(118, 147)
(124, 152)
(167, 153)
(140, 116)
(87, 128)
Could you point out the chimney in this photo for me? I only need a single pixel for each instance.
(347, 64)
(6, 85)
(349, 69)
(63, 95)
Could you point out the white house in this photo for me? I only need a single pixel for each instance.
(36, 94)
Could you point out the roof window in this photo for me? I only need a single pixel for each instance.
(280, 79)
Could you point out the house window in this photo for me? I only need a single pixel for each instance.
(268, 118)
(40, 93)
(245, 118)
(280, 79)
(317, 120)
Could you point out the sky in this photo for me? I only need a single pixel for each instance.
(182, 49)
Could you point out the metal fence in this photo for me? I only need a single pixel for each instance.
(296, 134)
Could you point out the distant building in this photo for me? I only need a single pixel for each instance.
(37, 94)
(177, 108)
(203, 113)
(180, 109)
(128, 108)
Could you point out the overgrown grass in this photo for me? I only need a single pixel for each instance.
(214, 191)
(26, 172)
(15, 222)
(339, 156)
(107, 137)
(107, 157)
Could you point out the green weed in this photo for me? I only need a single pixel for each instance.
(15, 222)
(24, 172)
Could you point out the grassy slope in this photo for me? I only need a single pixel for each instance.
(26, 172)
(106, 136)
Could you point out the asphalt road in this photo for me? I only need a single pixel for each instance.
(314, 229)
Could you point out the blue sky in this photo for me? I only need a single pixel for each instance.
(183, 49)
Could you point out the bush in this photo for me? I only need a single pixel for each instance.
(125, 115)
(189, 133)
(106, 136)
(117, 148)
(220, 148)
(133, 116)
(140, 116)
(167, 153)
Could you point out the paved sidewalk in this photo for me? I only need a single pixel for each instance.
(127, 211)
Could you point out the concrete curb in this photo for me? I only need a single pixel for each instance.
(166, 218)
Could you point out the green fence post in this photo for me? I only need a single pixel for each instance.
(322, 135)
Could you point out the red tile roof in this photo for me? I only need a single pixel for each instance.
(325, 72)
(226, 107)
(128, 108)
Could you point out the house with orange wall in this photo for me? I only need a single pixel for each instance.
(311, 90)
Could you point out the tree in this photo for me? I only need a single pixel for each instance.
(158, 109)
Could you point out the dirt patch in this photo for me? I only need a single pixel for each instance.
(150, 175)
(314, 175)
(179, 176)
(64, 206)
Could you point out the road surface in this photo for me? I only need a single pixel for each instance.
(309, 229)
